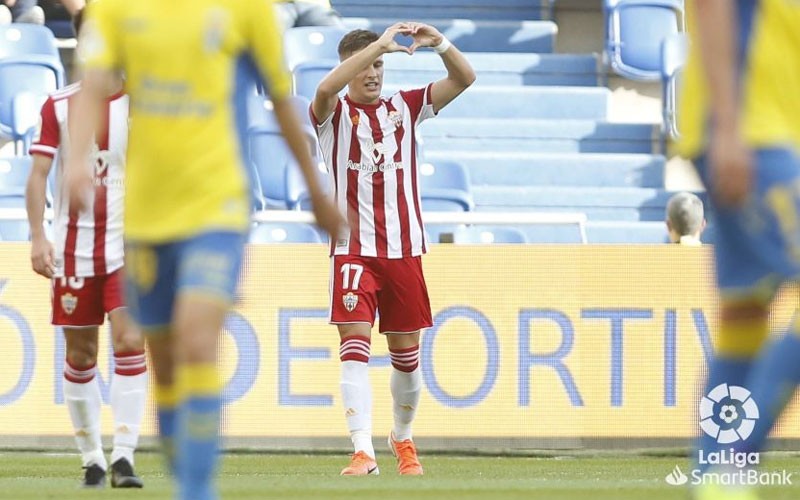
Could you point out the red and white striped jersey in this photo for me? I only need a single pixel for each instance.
(88, 243)
(371, 152)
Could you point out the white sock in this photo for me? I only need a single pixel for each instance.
(128, 395)
(406, 389)
(357, 399)
(406, 384)
(82, 396)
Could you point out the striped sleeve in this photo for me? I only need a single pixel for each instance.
(419, 103)
(49, 136)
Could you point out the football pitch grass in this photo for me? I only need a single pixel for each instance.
(28, 475)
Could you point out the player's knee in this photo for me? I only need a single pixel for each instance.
(128, 340)
(743, 329)
(81, 352)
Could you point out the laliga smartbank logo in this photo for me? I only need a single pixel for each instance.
(728, 414)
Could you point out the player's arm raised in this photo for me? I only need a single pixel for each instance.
(729, 158)
(328, 90)
(460, 74)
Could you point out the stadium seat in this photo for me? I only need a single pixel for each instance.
(13, 230)
(479, 35)
(14, 174)
(311, 43)
(635, 30)
(297, 197)
(306, 76)
(267, 153)
(674, 53)
(488, 235)
(445, 186)
(274, 232)
(27, 40)
(450, 9)
(30, 68)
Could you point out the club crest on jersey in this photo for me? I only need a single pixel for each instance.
(396, 118)
(68, 303)
(355, 119)
(350, 301)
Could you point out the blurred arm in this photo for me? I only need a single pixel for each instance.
(73, 6)
(716, 24)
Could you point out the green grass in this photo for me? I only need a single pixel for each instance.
(296, 477)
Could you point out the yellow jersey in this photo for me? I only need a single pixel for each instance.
(769, 66)
(184, 171)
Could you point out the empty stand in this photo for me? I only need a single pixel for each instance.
(488, 235)
(276, 232)
(480, 35)
(452, 9)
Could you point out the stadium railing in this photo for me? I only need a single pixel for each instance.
(484, 218)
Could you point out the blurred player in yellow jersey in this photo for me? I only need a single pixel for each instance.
(740, 120)
(187, 200)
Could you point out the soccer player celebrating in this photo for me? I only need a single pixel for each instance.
(187, 206)
(369, 144)
(741, 124)
(85, 266)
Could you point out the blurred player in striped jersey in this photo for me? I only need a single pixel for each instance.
(740, 121)
(86, 267)
(369, 145)
(187, 203)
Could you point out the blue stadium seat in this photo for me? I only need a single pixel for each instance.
(510, 168)
(275, 232)
(14, 230)
(446, 9)
(311, 43)
(30, 68)
(28, 40)
(488, 235)
(445, 186)
(297, 197)
(478, 35)
(539, 136)
(674, 53)
(14, 174)
(498, 69)
(635, 30)
(307, 75)
(268, 155)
